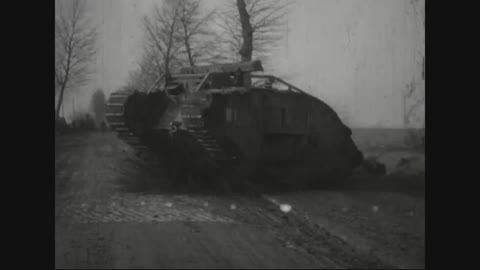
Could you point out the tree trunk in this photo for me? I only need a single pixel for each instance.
(167, 63)
(60, 100)
(247, 32)
(189, 52)
(187, 46)
(247, 35)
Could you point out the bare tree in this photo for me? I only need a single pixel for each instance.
(74, 49)
(163, 32)
(177, 33)
(251, 27)
(149, 68)
(197, 35)
(413, 97)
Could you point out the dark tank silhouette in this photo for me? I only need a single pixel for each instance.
(208, 125)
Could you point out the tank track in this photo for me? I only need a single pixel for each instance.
(116, 120)
(195, 125)
(222, 163)
(193, 121)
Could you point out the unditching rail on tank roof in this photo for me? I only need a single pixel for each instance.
(207, 75)
(156, 83)
(177, 76)
(185, 77)
(290, 86)
(273, 78)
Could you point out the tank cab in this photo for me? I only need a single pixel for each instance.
(191, 90)
(269, 123)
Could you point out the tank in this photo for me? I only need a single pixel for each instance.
(208, 123)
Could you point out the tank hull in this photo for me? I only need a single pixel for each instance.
(268, 135)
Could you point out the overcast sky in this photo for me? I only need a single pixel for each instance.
(357, 55)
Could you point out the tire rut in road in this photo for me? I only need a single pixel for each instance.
(297, 232)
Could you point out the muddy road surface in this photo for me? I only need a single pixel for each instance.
(117, 209)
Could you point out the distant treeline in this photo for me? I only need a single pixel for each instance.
(80, 122)
(367, 138)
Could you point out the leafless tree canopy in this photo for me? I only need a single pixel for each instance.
(74, 49)
(413, 98)
(251, 27)
(149, 68)
(197, 36)
(177, 33)
(163, 32)
(413, 101)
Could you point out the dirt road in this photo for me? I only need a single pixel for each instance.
(99, 223)
(114, 210)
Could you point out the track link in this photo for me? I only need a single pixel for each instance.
(195, 125)
(116, 120)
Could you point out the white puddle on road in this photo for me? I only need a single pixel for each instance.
(284, 207)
